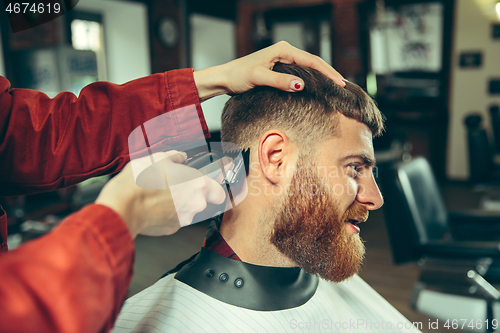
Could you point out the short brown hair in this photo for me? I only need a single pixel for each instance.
(306, 115)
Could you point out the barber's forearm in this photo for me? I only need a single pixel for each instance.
(210, 82)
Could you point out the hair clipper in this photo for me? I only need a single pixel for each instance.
(225, 163)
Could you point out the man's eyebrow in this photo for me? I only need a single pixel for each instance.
(367, 161)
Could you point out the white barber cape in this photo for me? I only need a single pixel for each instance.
(172, 306)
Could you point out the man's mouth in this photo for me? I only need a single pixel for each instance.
(352, 224)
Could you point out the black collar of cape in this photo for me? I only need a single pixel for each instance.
(248, 286)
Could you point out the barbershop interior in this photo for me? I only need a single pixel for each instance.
(432, 67)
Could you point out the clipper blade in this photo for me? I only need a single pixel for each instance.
(219, 157)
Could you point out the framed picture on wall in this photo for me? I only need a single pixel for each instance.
(407, 38)
(406, 50)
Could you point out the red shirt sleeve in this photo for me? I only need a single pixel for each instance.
(73, 279)
(51, 143)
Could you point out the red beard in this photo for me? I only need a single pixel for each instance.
(309, 228)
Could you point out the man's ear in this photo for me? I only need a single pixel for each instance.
(274, 154)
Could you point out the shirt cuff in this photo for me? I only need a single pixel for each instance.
(182, 91)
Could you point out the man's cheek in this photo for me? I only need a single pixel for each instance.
(351, 188)
(342, 189)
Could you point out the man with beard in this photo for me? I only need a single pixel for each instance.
(286, 257)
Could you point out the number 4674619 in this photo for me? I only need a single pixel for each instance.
(36, 8)
(473, 324)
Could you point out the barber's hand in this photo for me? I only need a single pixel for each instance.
(153, 212)
(255, 69)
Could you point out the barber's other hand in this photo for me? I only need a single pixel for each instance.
(255, 69)
(153, 212)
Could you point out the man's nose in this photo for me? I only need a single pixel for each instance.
(369, 194)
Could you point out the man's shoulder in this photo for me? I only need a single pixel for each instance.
(371, 310)
(179, 266)
(354, 291)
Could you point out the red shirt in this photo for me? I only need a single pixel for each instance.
(216, 243)
(75, 278)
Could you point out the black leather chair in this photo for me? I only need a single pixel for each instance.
(445, 245)
(495, 126)
(482, 166)
(420, 226)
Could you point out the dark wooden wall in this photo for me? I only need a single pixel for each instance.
(344, 30)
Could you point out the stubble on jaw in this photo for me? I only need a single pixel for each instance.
(309, 228)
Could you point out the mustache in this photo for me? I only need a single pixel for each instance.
(356, 212)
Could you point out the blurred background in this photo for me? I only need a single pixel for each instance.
(433, 67)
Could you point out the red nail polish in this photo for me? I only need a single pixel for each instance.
(296, 85)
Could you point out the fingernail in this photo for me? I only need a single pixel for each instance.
(296, 85)
(183, 153)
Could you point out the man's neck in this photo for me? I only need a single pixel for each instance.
(247, 231)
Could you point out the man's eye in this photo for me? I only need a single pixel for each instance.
(356, 168)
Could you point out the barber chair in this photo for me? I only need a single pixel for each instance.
(419, 224)
(482, 166)
(495, 126)
(445, 245)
